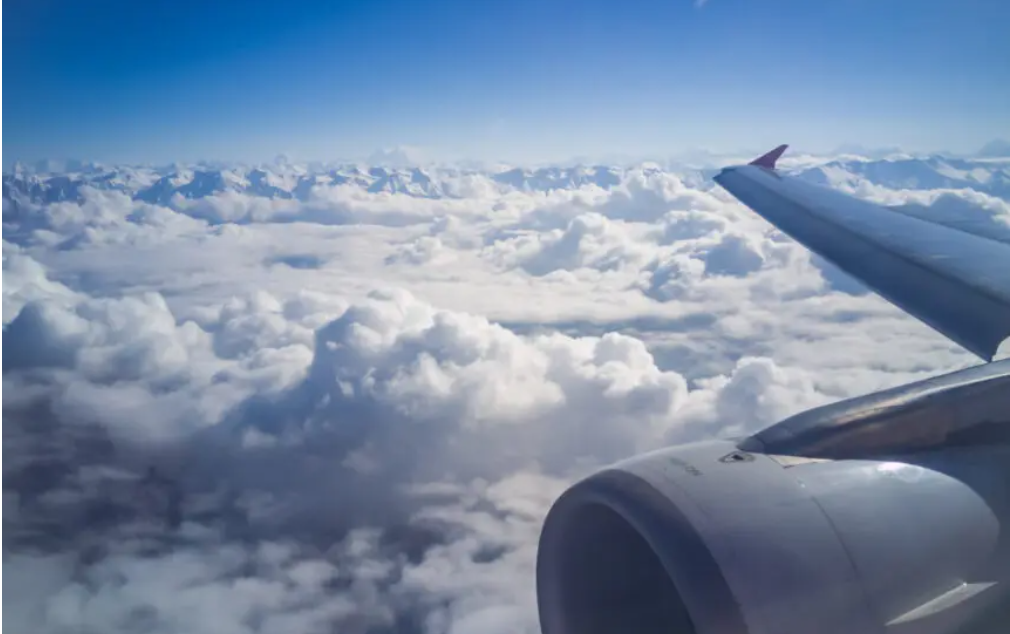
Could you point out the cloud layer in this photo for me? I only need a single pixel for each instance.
(317, 398)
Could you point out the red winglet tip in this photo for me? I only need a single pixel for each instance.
(768, 160)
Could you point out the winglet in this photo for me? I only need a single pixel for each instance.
(768, 160)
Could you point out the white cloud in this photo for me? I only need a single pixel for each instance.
(24, 281)
(361, 403)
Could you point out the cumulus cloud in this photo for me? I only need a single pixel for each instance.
(25, 280)
(589, 240)
(343, 399)
(397, 395)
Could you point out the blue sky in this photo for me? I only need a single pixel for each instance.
(532, 80)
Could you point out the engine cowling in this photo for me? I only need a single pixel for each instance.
(710, 539)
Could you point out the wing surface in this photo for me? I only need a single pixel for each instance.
(956, 282)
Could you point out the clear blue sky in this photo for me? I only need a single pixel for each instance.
(158, 80)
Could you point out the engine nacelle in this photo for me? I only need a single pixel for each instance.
(709, 539)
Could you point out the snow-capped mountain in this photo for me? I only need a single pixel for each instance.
(173, 185)
(990, 176)
(548, 178)
(996, 148)
(161, 186)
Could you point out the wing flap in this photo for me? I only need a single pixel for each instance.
(956, 282)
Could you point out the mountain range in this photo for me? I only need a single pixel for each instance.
(286, 181)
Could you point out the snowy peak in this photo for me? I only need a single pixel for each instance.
(401, 157)
(997, 148)
(550, 178)
(414, 182)
(25, 189)
(933, 172)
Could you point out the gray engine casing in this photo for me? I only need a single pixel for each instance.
(710, 539)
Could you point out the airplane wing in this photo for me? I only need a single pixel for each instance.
(956, 282)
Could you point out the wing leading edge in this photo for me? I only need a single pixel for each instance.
(956, 282)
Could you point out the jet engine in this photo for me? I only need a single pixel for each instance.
(729, 537)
